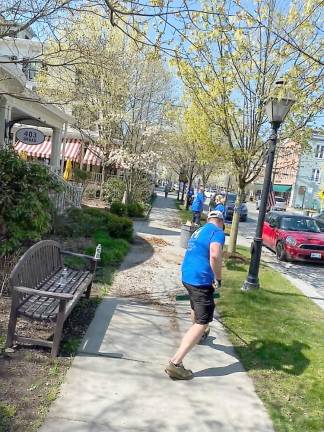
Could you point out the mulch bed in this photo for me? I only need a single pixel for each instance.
(29, 378)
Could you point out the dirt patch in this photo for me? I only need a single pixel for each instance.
(29, 378)
(173, 223)
(96, 202)
(235, 257)
(156, 241)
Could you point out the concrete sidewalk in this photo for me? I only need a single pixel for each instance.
(117, 382)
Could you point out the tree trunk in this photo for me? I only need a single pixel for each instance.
(183, 191)
(189, 187)
(235, 222)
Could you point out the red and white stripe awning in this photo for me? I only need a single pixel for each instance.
(43, 150)
(93, 156)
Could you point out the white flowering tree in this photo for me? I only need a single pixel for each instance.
(115, 90)
(138, 172)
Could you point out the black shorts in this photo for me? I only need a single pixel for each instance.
(202, 302)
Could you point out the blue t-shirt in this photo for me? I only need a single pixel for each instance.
(220, 207)
(196, 268)
(198, 202)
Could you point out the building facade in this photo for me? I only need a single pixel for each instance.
(309, 176)
(19, 102)
(298, 176)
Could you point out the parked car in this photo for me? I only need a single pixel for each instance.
(293, 237)
(280, 204)
(229, 208)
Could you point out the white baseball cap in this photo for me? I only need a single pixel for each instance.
(215, 214)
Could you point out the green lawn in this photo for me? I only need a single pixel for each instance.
(187, 214)
(278, 334)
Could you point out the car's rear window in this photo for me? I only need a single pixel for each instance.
(299, 224)
(281, 200)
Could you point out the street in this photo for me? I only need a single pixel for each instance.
(312, 274)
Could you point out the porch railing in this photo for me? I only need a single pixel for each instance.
(69, 196)
(95, 177)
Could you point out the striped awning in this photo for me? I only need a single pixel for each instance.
(43, 150)
(93, 156)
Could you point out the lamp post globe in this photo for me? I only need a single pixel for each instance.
(277, 107)
(278, 104)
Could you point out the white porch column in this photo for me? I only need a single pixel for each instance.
(63, 147)
(5, 117)
(56, 149)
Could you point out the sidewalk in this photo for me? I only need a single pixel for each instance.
(117, 382)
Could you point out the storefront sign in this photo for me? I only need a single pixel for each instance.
(30, 136)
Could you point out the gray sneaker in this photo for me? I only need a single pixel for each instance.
(178, 372)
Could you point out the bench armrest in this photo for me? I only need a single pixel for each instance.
(88, 257)
(32, 291)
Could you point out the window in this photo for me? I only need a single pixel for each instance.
(299, 224)
(319, 152)
(316, 176)
(29, 69)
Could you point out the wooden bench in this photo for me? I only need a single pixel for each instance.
(43, 289)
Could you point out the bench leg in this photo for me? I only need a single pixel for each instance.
(88, 291)
(58, 328)
(12, 321)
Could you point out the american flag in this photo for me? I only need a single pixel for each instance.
(271, 198)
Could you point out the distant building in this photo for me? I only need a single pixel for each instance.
(298, 177)
(309, 176)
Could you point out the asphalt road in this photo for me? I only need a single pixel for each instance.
(312, 274)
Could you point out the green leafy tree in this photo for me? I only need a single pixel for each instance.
(25, 207)
(229, 71)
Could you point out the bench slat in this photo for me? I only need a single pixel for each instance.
(33, 303)
(39, 307)
(82, 280)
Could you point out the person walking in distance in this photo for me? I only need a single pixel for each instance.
(201, 275)
(219, 204)
(166, 190)
(197, 206)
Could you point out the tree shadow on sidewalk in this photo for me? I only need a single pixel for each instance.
(261, 354)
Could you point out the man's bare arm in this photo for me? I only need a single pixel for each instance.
(216, 255)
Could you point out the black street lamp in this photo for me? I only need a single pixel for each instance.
(277, 107)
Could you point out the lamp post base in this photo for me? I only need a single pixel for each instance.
(250, 286)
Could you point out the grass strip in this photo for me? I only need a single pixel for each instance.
(187, 214)
(277, 333)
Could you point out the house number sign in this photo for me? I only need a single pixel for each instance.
(30, 136)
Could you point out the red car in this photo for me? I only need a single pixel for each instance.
(293, 237)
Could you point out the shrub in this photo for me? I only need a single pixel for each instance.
(91, 191)
(80, 176)
(135, 209)
(114, 189)
(85, 222)
(26, 211)
(119, 227)
(143, 190)
(113, 250)
(118, 208)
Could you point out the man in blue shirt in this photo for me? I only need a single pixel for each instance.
(197, 206)
(201, 274)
